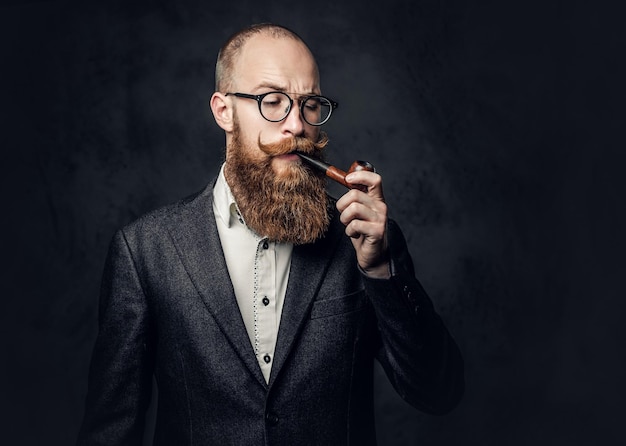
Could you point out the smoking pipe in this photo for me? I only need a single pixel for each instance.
(339, 175)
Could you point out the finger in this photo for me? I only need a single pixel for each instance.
(373, 232)
(352, 233)
(360, 211)
(356, 196)
(352, 196)
(372, 180)
(360, 220)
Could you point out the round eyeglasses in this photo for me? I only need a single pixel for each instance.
(276, 105)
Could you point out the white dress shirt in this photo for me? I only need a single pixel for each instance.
(258, 269)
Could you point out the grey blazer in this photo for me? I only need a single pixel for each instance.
(167, 308)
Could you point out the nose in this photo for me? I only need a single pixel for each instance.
(293, 123)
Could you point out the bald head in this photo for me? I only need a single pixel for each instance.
(226, 60)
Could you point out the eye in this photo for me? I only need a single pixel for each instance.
(273, 100)
(267, 103)
(312, 104)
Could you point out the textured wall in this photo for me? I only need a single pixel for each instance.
(493, 124)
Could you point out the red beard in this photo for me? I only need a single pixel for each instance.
(292, 207)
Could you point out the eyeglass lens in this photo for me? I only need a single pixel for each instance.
(276, 106)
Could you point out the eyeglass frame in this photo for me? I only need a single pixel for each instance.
(302, 100)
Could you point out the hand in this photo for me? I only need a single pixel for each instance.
(365, 217)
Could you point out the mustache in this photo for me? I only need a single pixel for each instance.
(295, 144)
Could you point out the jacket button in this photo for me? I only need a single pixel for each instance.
(271, 418)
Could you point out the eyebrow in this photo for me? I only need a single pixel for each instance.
(276, 87)
(270, 86)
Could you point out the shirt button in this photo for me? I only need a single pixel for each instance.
(271, 418)
(267, 359)
(266, 245)
(266, 301)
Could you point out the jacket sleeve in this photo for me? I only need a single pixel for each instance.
(120, 374)
(418, 354)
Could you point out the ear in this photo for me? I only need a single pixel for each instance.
(222, 109)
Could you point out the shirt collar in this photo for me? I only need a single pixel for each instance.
(225, 204)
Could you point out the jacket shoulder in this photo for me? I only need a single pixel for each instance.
(160, 219)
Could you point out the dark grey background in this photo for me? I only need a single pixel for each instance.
(496, 125)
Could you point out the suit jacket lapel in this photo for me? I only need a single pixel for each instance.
(309, 264)
(195, 235)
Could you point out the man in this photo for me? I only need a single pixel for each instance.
(258, 316)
